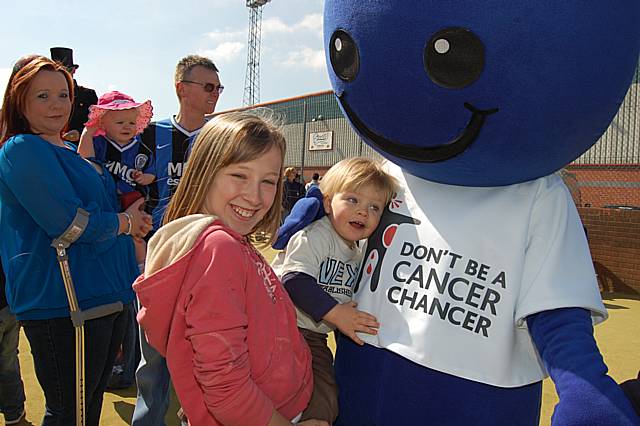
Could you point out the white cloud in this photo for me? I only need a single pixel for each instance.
(228, 45)
(306, 58)
(309, 23)
(275, 26)
(224, 52)
(225, 36)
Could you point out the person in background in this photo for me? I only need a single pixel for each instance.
(198, 88)
(45, 186)
(84, 97)
(11, 386)
(315, 181)
(293, 190)
(209, 301)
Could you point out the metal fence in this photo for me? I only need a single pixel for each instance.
(620, 144)
(608, 174)
(307, 118)
(318, 136)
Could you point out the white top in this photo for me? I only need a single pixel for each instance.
(454, 291)
(319, 251)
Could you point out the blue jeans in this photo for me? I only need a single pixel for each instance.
(130, 359)
(153, 382)
(130, 345)
(54, 356)
(11, 387)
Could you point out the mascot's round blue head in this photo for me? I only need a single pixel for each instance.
(481, 93)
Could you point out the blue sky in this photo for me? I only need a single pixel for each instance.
(133, 45)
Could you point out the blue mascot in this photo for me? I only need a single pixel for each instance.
(480, 273)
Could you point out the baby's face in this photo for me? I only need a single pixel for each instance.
(355, 214)
(120, 126)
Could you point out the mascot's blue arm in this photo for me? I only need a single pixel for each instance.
(305, 211)
(588, 396)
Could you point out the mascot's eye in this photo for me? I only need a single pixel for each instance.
(344, 56)
(454, 58)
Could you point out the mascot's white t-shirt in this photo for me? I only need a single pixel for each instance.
(320, 252)
(452, 273)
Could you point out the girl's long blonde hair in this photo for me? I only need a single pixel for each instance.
(231, 138)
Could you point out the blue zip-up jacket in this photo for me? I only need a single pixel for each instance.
(41, 188)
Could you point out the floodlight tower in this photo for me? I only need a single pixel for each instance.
(252, 77)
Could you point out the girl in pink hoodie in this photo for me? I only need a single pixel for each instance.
(209, 302)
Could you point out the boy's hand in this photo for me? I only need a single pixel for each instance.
(143, 178)
(348, 320)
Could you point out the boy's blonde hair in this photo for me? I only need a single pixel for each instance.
(353, 173)
(231, 138)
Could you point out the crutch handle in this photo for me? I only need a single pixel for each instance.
(79, 317)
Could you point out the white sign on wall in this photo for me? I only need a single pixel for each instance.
(319, 141)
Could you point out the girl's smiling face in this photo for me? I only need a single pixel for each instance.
(241, 194)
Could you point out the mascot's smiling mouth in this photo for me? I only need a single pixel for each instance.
(431, 154)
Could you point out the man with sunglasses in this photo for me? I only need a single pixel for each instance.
(198, 87)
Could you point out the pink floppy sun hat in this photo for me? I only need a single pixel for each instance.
(118, 101)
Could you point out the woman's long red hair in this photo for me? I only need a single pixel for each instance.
(12, 119)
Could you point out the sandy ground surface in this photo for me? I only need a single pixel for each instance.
(618, 339)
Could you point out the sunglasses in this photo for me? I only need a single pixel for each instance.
(208, 87)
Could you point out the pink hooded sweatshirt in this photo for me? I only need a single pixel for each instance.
(214, 308)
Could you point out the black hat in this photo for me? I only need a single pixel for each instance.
(64, 55)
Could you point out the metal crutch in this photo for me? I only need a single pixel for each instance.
(78, 317)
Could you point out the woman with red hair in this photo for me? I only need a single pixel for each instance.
(44, 187)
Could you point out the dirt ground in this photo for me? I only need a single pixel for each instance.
(620, 346)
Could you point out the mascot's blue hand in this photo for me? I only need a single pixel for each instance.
(564, 338)
(305, 211)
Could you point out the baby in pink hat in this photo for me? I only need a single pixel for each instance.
(110, 138)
